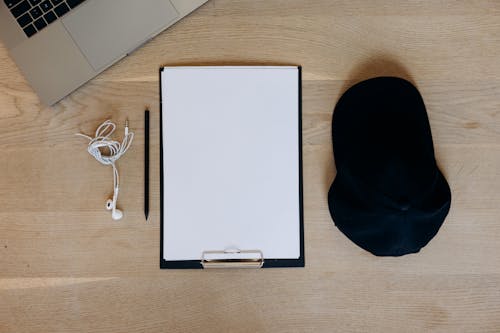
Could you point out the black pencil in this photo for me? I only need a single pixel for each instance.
(146, 164)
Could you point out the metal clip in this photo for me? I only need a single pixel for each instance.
(232, 258)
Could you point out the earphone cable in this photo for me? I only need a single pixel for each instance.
(102, 140)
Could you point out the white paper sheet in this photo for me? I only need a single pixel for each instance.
(231, 161)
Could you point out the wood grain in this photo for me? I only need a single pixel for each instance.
(65, 266)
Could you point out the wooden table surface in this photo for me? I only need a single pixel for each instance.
(65, 266)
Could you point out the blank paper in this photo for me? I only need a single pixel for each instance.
(230, 161)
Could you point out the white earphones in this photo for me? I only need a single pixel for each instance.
(116, 214)
(116, 150)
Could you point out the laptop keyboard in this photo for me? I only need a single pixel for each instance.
(34, 15)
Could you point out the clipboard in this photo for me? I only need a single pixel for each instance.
(231, 191)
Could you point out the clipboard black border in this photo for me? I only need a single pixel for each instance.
(268, 263)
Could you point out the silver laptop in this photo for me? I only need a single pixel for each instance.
(61, 44)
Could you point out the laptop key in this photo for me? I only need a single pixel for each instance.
(11, 3)
(36, 12)
(21, 8)
(29, 30)
(56, 2)
(35, 2)
(24, 20)
(40, 23)
(50, 17)
(46, 6)
(61, 9)
(74, 3)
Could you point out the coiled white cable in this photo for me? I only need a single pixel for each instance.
(102, 140)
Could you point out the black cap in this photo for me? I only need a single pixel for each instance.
(388, 196)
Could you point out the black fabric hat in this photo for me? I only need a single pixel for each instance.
(388, 196)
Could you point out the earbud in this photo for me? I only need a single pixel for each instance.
(109, 204)
(116, 214)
